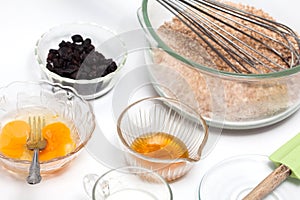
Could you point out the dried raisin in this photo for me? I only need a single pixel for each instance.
(79, 60)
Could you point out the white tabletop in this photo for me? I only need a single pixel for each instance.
(23, 22)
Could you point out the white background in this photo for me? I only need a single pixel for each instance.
(23, 22)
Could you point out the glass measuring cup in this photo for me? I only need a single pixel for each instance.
(182, 124)
(128, 182)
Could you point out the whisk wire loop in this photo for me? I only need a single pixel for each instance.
(212, 21)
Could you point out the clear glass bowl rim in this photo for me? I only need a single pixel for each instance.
(78, 148)
(165, 47)
(79, 81)
(155, 160)
(158, 176)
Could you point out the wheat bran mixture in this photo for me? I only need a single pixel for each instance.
(236, 99)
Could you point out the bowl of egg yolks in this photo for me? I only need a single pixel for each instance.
(69, 124)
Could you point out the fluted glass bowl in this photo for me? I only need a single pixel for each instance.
(229, 100)
(19, 100)
(142, 129)
(105, 41)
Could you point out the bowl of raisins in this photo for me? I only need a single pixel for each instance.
(85, 56)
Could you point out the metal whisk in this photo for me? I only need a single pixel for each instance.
(246, 42)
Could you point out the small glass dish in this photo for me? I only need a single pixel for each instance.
(105, 41)
(132, 183)
(235, 177)
(55, 103)
(156, 133)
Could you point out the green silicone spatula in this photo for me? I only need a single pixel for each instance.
(287, 158)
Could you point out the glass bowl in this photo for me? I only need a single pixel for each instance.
(235, 177)
(105, 41)
(156, 133)
(127, 183)
(239, 101)
(56, 103)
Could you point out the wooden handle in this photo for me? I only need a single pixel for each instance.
(269, 183)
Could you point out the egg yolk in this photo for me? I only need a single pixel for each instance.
(14, 136)
(59, 141)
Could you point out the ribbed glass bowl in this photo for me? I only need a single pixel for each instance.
(156, 115)
(229, 100)
(105, 41)
(19, 100)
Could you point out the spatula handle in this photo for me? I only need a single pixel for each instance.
(269, 183)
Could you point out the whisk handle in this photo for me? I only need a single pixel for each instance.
(269, 183)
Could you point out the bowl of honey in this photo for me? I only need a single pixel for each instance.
(162, 134)
(69, 124)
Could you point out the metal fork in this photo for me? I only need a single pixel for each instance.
(35, 142)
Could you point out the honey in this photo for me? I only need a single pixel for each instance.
(160, 145)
